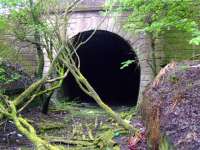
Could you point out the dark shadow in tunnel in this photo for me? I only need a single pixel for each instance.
(101, 59)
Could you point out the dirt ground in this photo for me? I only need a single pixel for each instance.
(72, 122)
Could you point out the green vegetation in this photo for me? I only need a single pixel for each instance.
(6, 77)
(156, 18)
(126, 63)
(83, 127)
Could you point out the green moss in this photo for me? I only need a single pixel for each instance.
(173, 79)
(165, 144)
(49, 125)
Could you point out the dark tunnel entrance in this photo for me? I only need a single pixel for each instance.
(101, 59)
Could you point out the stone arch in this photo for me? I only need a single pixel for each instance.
(81, 21)
(101, 59)
(91, 20)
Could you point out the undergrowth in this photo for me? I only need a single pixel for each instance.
(84, 127)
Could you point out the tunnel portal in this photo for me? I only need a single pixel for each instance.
(100, 60)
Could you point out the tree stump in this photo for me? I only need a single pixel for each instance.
(171, 106)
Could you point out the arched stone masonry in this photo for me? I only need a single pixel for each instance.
(86, 20)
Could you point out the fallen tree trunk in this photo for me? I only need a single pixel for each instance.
(89, 90)
(24, 127)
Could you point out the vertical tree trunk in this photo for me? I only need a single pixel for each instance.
(154, 62)
(40, 54)
(153, 54)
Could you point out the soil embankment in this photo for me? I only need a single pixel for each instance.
(171, 106)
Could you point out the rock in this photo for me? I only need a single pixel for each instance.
(19, 135)
(13, 79)
(171, 106)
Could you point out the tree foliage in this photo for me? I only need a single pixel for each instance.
(159, 16)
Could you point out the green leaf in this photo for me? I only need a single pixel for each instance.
(3, 24)
(126, 63)
(195, 41)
